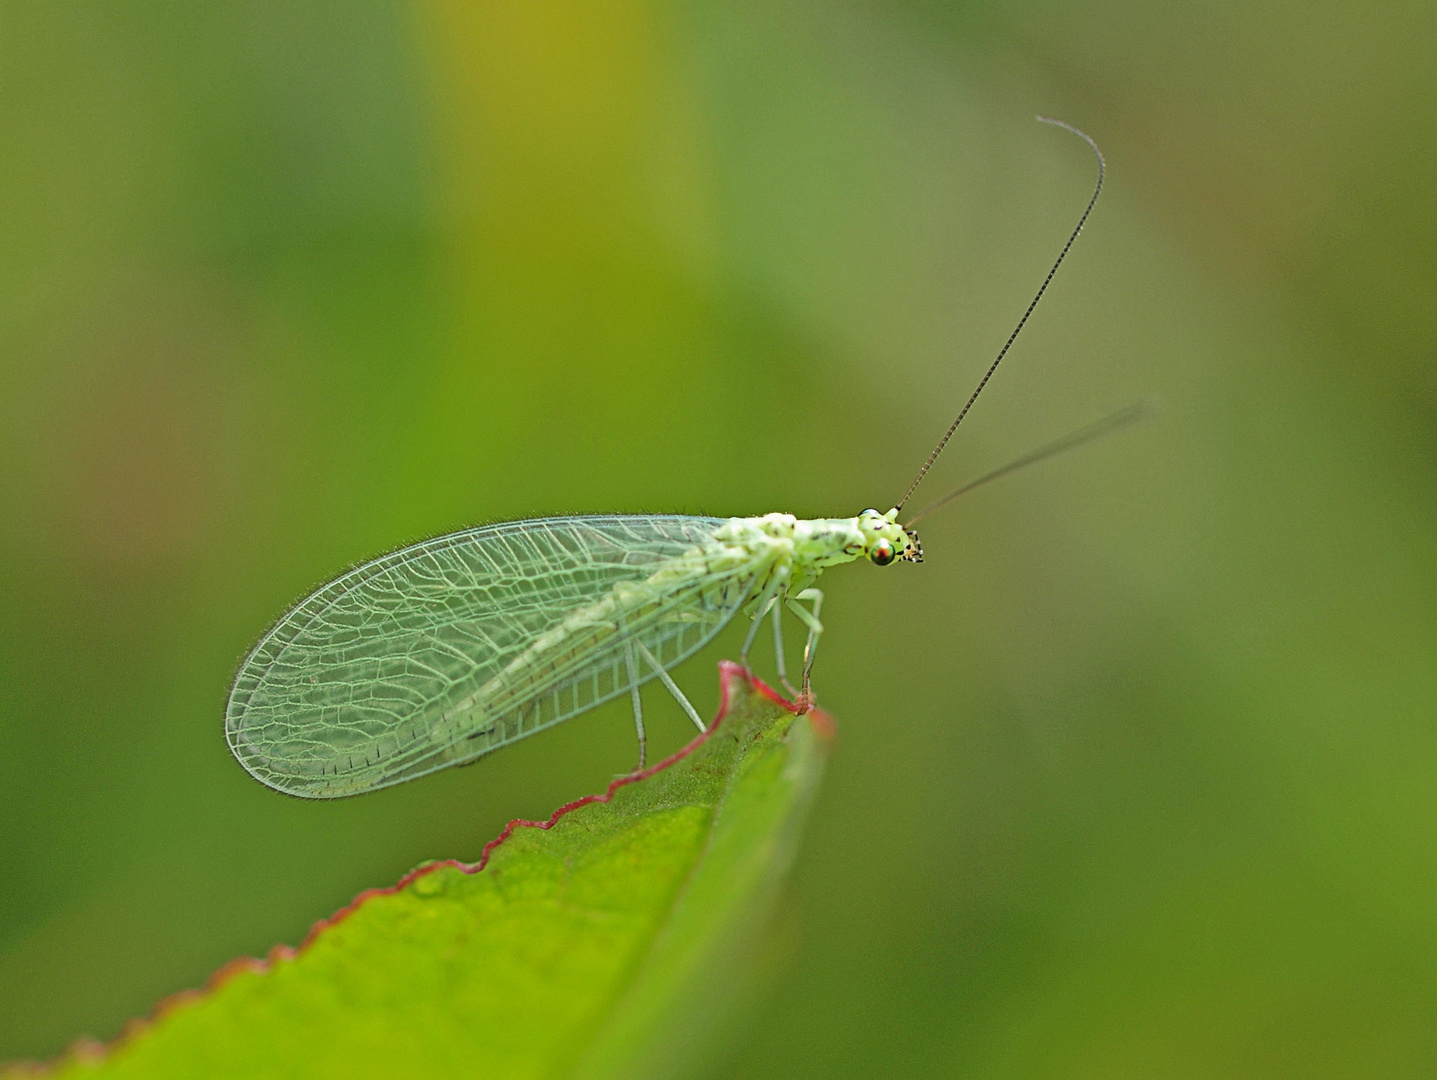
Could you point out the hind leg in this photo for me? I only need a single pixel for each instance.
(671, 686)
(638, 704)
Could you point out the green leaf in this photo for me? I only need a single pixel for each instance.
(597, 944)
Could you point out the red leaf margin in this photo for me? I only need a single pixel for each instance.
(92, 1050)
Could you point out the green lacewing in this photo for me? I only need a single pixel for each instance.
(443, 651)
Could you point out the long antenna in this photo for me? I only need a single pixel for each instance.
(1102, 169)
(1131, 414)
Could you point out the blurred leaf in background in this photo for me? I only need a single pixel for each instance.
(1141, 777)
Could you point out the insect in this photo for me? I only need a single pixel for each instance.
(446, 650)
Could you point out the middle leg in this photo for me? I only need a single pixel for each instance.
(815, 628)
(779, 660)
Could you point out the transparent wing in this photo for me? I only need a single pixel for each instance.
(445, 650)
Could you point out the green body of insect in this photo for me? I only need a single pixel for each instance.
(441, 652)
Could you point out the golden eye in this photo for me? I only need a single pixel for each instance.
(881, 553)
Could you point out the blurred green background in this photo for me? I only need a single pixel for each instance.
(1137, 774)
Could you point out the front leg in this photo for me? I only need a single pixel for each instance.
(815, 628)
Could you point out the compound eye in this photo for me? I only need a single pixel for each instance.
(882, 553)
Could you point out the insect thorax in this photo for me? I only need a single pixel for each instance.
(796, 550)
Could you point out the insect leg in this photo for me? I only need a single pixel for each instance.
(815, 628)
(778, 657)
(671, 686)
(638, 703)
(769, 592)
